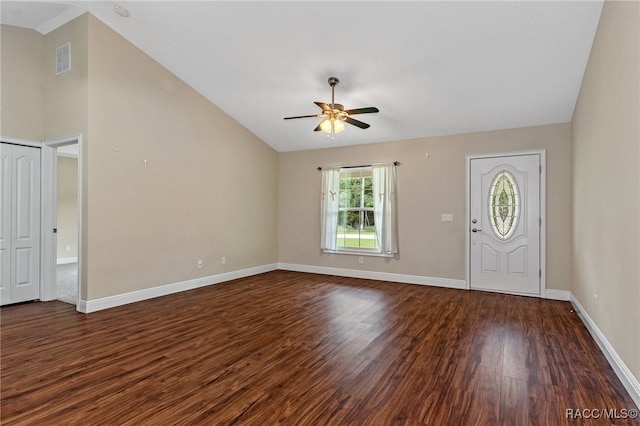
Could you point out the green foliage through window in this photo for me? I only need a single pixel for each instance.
(356, 227)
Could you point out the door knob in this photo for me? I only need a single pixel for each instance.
(476, 230)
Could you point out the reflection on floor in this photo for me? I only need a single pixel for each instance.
(67, 282)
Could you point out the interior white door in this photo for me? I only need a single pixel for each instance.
(504, 239)
(20, 224)
(5, 224)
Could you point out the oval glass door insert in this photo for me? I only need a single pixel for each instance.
(504, 205)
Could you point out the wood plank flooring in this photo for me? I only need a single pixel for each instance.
(302, 349)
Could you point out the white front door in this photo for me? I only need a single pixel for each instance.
(504, 233)
(19, 224)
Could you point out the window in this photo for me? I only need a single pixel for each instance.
(358, 211)
(356, 221)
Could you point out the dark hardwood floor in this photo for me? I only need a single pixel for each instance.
(293, 348)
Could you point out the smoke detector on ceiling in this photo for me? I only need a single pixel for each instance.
(119, 10)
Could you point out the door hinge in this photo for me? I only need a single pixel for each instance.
(55, 230)
(540, 221)
(540, 168)
(540, 273)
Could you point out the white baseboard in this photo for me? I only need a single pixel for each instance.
(65, 260)
(630, 382)
(553, 294)
(88, 306)
(371, 275)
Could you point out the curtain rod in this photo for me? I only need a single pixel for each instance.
(395, 163)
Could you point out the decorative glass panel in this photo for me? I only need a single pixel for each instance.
(504, 205)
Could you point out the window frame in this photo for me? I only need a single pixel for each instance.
(346, 173)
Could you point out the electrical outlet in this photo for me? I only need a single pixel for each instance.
(67, 248)
(447, 217)
(360, 260)
(595, 300)
(199, 264)
(223, 260)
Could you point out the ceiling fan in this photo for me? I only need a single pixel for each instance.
(334, 115)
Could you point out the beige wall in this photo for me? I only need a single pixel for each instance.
(66, 97)
(66, 107)
(427, 188)
(67, 201)
(208, 188)
(606, 180)
(172, 178)
(22, 83)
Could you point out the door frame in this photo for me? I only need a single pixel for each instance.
(49, 213)
(543, 212)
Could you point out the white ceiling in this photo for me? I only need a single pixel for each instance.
(432, 68)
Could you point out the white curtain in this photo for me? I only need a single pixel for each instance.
(329, 208)
(385, 207)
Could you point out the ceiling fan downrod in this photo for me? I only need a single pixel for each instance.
(333, 81)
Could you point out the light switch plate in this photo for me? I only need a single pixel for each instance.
(447, 217)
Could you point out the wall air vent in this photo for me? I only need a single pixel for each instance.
(63, 58)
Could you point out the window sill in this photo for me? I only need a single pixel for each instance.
(370, 253)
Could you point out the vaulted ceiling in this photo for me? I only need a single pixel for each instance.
(432, 68)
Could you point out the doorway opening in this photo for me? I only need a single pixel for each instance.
(62, 220)
(67, 224)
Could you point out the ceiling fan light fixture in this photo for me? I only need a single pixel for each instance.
(327, 124)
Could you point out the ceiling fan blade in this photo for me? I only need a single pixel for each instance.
(357, 123)
(303, 116)
(317, 129)
(367, 110)
(324, 106)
